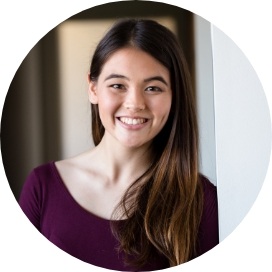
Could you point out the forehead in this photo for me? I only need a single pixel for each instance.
(135, 63)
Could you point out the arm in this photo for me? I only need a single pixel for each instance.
(30, 199)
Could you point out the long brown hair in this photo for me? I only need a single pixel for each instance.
(163, 207)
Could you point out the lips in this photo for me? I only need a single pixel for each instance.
(132, 121)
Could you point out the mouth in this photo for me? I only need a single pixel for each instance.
(132, 121)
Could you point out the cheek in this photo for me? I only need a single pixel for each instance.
(107, 106)
(162, 108)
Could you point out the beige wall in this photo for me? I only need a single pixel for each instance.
(77, 42)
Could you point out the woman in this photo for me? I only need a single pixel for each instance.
(137, 200)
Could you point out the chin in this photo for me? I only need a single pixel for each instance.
(135, 144)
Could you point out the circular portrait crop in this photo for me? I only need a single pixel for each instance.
(134, 128)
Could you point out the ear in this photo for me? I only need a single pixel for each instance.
(92, 90)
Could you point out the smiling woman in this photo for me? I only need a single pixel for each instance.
(136, 201)
(134, 100)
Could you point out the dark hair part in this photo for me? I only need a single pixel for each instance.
(164, 206)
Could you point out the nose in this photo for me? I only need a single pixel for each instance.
(135, 101)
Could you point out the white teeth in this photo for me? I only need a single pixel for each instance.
(132, 121)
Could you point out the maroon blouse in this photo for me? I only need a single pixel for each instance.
(53, 211)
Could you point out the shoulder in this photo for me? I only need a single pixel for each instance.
(209, 195)
(42, 177)
(40, 173)
(71, 169)
(38, 180)
(209, 226)
(207, 185)
(75, 169)
(209, 191)
(78, 162)
(34, 191)
(43, 171)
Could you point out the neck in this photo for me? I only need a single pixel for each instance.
(122, 164)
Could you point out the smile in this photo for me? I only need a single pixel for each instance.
(133, 121)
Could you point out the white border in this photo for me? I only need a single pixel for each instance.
(23, 23)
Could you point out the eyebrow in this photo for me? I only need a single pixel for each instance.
(154, 78)
(116, 76)
(158, 78)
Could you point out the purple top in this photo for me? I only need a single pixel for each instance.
(53, 211)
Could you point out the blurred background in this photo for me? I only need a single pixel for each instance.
(46, 115)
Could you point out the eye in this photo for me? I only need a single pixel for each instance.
(153, 89)
(116, 86)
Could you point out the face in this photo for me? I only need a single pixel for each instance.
(134, 96)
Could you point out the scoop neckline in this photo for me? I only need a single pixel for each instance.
(78, 206)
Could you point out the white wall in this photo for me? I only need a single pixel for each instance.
(242, 131)
(205, 97)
